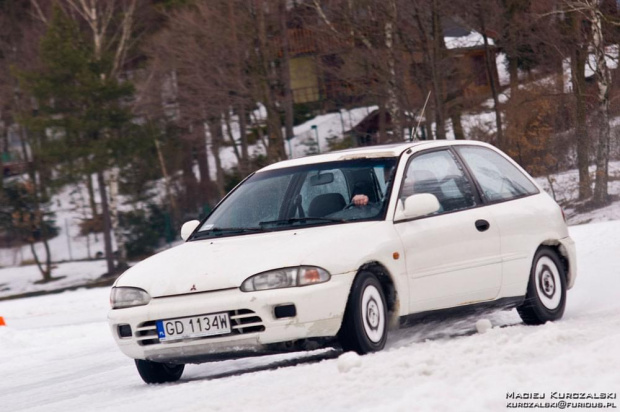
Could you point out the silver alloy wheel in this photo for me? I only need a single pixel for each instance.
(373, 314)
(548, 283)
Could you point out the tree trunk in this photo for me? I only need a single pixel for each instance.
(114, 223)
(215, 130)
(382, 135)
(206, 183)
(45, 273)
(490, 63)
(231, 136)
(276, 150)
(457, 125)
(244, 166)
(603, 81)
(189, 178)
(173, 209)
(513, 71)
(286, 73)
(91, 195)
(437, 56)
(107, 226)
(393, 105)
(578, 61)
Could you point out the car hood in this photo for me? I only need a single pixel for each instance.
(222, 263)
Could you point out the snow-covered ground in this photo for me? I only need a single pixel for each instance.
(23, 279)
(57, 354)
(566, 192)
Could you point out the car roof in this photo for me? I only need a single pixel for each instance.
(388, 150)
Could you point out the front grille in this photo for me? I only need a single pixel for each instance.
(242, 321)
(146, 333)
(245, 321)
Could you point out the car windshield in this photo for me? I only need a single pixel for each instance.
(309, 195)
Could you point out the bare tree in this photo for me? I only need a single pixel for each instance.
(591, 12)
(369, 32)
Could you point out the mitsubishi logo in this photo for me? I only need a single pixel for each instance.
(193, 288)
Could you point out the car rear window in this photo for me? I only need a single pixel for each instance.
(499, 179)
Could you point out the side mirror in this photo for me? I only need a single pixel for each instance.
(418, 205)
(188, 228)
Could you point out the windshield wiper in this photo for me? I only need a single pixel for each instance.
(300, 219)
(218, 231)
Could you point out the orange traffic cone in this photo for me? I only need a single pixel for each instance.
(2, 321)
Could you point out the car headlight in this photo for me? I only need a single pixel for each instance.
(127, 297)
(285, 278)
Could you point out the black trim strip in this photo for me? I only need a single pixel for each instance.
(193, 293)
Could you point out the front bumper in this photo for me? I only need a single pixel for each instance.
(319, 312)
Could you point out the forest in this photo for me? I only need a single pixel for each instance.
(135, 101)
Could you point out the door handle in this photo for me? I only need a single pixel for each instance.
(482, 225)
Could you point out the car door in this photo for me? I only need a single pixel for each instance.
(453, 255)
(521, 215)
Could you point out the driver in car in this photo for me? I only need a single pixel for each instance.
(361, 193)
(360, 200)
(362, 190)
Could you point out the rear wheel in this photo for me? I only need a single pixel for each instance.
(546, 291)
(364, 327)
(155, 372)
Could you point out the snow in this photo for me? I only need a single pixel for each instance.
(19, 280)
(483, 325)
(69, 206)
(58, 355)
(501, 61)
(473, 39)
(328, 126)
(611, 58)
(348, 361)
(566, 188)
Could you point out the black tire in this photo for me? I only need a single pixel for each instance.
(365, 322)
(155, 372)
(546, 291)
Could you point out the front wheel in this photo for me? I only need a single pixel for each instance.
(364, 327)
(155, 372)
(546, 291)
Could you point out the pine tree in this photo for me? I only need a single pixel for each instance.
(81, 109)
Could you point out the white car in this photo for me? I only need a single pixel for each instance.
(289, 260)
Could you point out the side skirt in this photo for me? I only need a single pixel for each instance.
(461, 311)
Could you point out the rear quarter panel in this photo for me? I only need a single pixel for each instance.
(525, 224)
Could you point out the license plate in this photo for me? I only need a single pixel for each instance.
(193, 327)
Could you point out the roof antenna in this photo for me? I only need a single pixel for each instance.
(415, 131)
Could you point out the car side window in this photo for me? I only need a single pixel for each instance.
(439, 174)
(499, 179)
